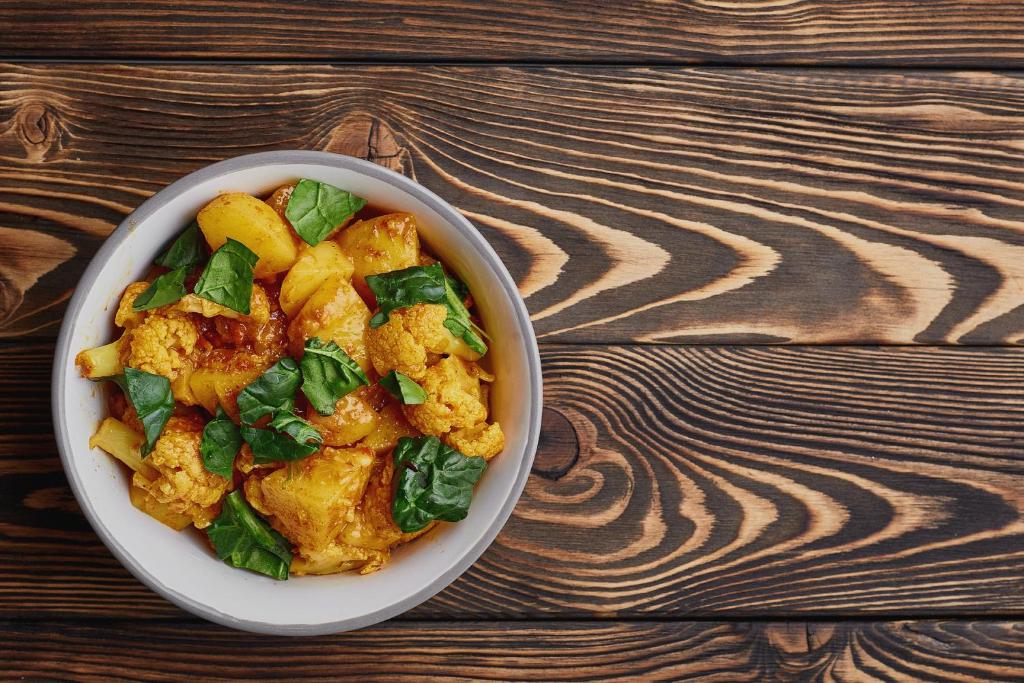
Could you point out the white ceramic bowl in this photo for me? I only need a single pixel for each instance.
(180, 566)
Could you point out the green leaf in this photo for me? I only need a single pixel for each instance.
(315, 209)
(270, 446)
(297, 428)
(187, 252)
(227, 278)
(164, 290)
(272, 392)
(152, 399)
(328, 373)
(404, 388)
(406, 287)
(458, 321)
(245, 541)
(434, 482)
(220, 444)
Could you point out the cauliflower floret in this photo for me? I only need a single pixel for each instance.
(310, 501)
(482, 440)
(126, 316)
(174, 473)
(412, 338)
(160, 344)
(454, 399)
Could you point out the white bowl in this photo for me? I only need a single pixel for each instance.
(180, 566)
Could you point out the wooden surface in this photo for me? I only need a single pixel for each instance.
(705, 205)
(862, 32)
(780, 309)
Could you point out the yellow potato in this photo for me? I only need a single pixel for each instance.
(353, 419)
(161, 512)
(255, 224)
(312, 500)
(391, 425)
(314, 266)
(380, 245)
(335, 312)
(222, 376)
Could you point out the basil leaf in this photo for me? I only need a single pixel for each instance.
(315, 209)
(164, 290)
(220, 444)
(328, 373)
(434, 482)
(187, 252)
(227, 278)
(458, 322)
(404, 388)
(245, 541)
(297, 428)
(270, 446)
(272, 392)
(152, 399)
(406, 287)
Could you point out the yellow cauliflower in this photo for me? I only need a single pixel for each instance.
(454, 399)
(482, 440)
(126, 316)
(160, 344)
(411, 339)
(174, 473)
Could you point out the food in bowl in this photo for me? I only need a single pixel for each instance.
(301, 379)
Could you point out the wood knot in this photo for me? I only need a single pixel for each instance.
(37, 128)
(559, 447)
(368, 137)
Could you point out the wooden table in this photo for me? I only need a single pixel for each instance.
(774, 252)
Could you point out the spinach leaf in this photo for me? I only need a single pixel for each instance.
(227, 278)
(425, 285)
(245, 541)
(406, 287)
(272, 392)
(458, 322)
(164, 290)
(187, 252)
(315, 209)
(404, 388)
(220, 444)
(297, 428)
(270, 446)
(328, 373)
(434, 482)
(152, 399)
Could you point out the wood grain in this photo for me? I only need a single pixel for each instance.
(862, 32)
(671, 482)
(697, 205)
(524, 651)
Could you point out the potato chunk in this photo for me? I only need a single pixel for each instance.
(255, 224)
(314, 267)
(380, 245)
(222, 375)
(391, 425)
(352, 420)
(335, 312)
(312, 500)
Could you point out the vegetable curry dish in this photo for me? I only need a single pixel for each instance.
(300, 379)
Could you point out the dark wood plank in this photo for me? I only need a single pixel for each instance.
(671, 481)
(522, 651)
(890, 32)
(707, 205)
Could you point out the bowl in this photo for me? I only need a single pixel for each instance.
(180, 566)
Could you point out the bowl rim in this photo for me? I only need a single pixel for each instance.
(463, 559)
